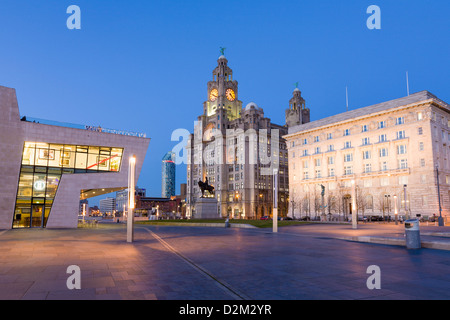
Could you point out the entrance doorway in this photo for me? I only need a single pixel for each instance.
(37, 212)
(347, 206)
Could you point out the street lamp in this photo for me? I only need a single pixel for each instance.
(440, 219)
(131, 204)
(275, 201)
(354, 215)
(395, 210)
(388, 202)
(406, 208)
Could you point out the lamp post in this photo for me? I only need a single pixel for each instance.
(84, 211)
(131, 204)
(275, 201)
(388, 203)
(354, 215)
(406, 208)
(440, 219)
(395, 210)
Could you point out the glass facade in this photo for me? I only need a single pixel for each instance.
(168, 175)
(43, 166)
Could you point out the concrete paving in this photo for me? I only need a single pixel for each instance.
(309, 262)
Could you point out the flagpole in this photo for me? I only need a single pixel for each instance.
(346, 97)
(407, 83)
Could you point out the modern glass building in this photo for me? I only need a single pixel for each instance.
(168, 175)
(48, 168)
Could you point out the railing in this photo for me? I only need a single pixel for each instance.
(84, 127)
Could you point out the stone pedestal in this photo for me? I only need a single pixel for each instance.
(206, 208)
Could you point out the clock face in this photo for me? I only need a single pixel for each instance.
(231, 95)
(213, 95)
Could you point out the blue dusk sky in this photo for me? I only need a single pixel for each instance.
(143, 65)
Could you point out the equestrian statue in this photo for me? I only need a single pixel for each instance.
(204, 186)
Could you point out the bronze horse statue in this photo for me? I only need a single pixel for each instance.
(204, 186)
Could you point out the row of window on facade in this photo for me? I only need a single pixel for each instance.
(366, 155)
(347, 132)
(382, 125)
(348, 144)
(90, 158)
(348, 170)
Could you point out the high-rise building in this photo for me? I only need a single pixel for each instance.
(237, 149)
(168, 175)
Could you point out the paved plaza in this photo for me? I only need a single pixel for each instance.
(307, 262)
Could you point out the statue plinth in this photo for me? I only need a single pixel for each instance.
(206, 208)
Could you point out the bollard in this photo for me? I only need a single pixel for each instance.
(412, 234)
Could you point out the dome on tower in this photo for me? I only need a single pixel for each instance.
(251, 105)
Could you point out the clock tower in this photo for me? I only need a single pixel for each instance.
(222, 93)
(229, 148)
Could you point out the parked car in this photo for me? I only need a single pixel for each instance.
(265, 218)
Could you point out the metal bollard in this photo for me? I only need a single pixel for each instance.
(412, 234)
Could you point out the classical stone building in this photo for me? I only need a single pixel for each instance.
(388, 149)
(46, 167)
(237, 148)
